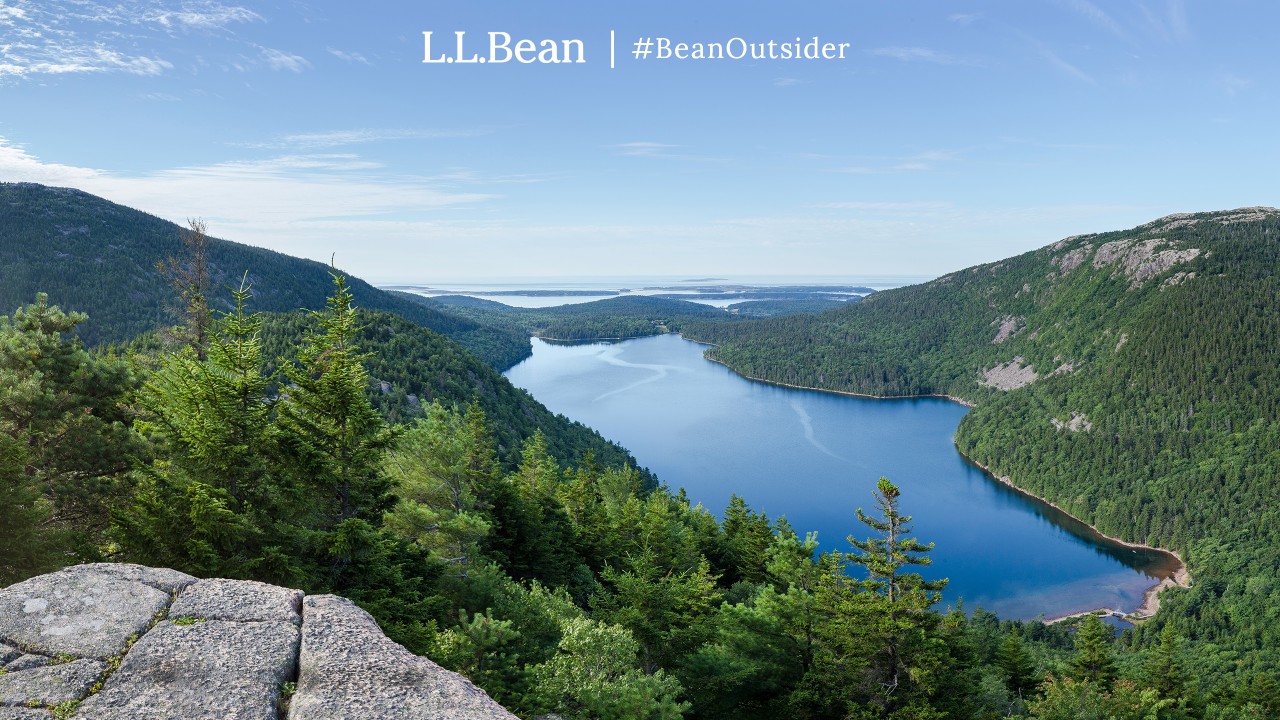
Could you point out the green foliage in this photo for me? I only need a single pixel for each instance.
(593, 674)
(1093, 662)
(64, 440)
(411, 366)
(331, 433)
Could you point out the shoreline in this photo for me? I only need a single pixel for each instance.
(1180, 577)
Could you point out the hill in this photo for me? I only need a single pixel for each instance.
(1131, 377)
(91, 254)
(412, 366)
(617, 317)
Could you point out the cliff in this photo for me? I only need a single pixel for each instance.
(108, 641)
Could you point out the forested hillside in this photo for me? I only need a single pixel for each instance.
(87, 252)
(1131, 377)
(618, 317)
(411, 367)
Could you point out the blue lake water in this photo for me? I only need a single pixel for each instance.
(815, 457)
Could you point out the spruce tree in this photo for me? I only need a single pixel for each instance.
(1019, 668)
(1093, 661)
(333, 432)
(1163, 669)
(212, 504)
(333, 442)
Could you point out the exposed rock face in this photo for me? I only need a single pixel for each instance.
(1009, 325)
(1010, 376)
(113, 642)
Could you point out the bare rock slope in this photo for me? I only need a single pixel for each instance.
(110, 641)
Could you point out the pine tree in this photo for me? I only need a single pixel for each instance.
(886, 556)
(1093, 661)
(881, 650)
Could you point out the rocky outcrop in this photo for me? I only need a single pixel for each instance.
(109, 641)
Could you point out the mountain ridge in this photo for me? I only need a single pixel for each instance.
(89, 253)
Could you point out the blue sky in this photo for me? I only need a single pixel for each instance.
(952, 133)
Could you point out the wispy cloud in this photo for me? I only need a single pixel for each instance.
(645, 149)
(201, 15)
(60, 37)
(61, 58)
(789, 82)
(1095, 15)
(281, 60)
(346, 56)
(920, 54)
(358, 136)
(914, 206)
(1168, 22)
(927, 160)
(1063, 66)
(964, 18)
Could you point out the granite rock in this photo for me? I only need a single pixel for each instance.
(50, 684)
(349, 670)
(239, 601)
(84, 611)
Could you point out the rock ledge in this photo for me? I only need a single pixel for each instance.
(112, 641)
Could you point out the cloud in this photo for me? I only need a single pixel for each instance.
(1095, 15)
(61, 37)
(789, 82)
(1169, 24)
(202, 15)
(964, 18)
(919, 54)
(281, 60)
(290, 190)
(338, 138)
(645, 149)
(1063, 66)
(351, 57)
(926, 160)
(915, 206)
(61, 58)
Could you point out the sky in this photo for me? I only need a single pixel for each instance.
(950, 133)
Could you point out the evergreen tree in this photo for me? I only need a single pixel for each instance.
(332, 431)
(334, 441)
(443, 469)
(1163, 669)
(65, 440)
(882, 651)
(1093, 661)
(1018, 667)
(211, 504)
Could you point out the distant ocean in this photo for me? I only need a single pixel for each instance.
(548, 292)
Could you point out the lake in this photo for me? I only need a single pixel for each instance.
(815, 457)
